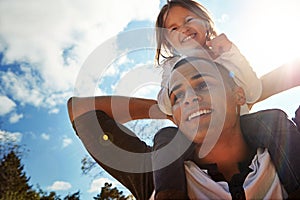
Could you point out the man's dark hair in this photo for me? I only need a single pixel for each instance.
(225, 73)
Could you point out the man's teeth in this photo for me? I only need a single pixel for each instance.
(199, 113)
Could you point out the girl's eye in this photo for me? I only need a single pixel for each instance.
(172, 29)
(188, 19)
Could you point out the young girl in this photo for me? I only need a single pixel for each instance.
(185, 28)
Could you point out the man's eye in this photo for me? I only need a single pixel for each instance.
(177, 97)
(201, 86)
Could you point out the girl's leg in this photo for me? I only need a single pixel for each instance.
(170, 181)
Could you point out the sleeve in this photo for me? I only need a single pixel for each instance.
(116, 152)
(243, 73)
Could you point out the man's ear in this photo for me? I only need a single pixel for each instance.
(240, 96)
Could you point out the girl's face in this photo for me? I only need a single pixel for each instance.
(184, 29)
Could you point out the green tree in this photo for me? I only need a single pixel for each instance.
(74, 196)
(108, 193)
(13, 181)
(45, 196)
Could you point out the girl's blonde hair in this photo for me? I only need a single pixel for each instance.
(162, 43)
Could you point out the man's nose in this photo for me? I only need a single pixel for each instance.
(191, 97)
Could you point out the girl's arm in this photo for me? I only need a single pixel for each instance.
(121, 109)
(283, 78)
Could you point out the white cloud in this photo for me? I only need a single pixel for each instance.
(6, 105)
(14, 118)
(147, 91)
(66, 142)
(54, 111)
(97, 184)
(45, 136)
(54, 38)
(114, 69)
(6, 136)
(26, 87)
(223, 19)
(142, 80)
(60, 185)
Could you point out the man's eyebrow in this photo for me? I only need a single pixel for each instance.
(201, 76)
(197, 76)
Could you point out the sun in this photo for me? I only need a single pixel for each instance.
(269, 33)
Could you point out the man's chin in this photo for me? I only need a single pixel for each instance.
(195, 135)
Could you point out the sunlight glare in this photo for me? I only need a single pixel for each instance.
(272, 34)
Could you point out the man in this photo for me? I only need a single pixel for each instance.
(205, 104)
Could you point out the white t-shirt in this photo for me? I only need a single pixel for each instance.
(235, 62)
(261, 183)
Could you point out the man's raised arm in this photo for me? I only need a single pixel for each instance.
(122, 109)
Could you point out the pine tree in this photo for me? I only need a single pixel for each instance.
(13, 181)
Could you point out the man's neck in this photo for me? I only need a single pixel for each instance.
(230, 149)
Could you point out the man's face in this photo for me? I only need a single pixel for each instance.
(201, 102)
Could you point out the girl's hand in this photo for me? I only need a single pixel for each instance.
(219, 44)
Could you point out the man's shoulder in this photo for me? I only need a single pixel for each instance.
(270, 114)
(271, 120)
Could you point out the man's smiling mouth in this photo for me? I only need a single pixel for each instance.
(199, 113)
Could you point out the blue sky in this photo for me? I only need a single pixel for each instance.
(44, 45)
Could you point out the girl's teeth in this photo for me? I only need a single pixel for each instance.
(187, 38)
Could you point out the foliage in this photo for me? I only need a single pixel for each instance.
(75, 196)
(108, 193)
(87, 165)
(51, 196)
(13, 180)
